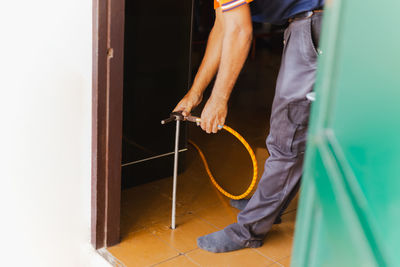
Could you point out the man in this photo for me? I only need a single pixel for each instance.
(226, 52)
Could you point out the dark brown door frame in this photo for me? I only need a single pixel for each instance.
(107, 99)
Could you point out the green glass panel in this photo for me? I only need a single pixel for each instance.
(352, 165)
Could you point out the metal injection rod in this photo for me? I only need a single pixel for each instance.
(176, 154)
(178, 117)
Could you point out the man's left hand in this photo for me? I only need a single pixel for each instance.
(214, 114)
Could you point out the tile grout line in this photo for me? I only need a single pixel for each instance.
(206, 221)
(192, 260)
(149, 232)
(265, 256)
(190, 251)
(283, 259)
(155, 264)
(179, 253)
(276, 261)
(155, 190)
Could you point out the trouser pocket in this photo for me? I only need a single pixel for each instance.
(289, 128)
(299, 114)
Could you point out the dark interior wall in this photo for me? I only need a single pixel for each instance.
(164, 46)
(156, 76)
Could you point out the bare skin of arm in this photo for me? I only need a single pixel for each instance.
(208, 67)
(226, 52)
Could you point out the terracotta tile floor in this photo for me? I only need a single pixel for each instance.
(147, 239)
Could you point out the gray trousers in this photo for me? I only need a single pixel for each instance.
(287, 137)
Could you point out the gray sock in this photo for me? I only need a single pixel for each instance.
(217, 242)
(240, 204)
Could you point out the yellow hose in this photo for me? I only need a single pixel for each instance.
(253, 159)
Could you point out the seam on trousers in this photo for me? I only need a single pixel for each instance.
(311, 38)
(282, 193)
(306, 42)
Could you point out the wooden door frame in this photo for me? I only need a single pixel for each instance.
(107, 99)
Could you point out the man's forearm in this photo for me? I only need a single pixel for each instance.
(235, 47)
(211, 59)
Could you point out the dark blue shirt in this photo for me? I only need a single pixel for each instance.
(279, 11)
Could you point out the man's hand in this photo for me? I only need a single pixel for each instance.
(214, 114)
(188, 102)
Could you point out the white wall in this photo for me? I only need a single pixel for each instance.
(45, 134)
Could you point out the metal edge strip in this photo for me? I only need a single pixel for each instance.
(155, 157)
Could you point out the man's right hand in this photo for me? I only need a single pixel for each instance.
(188, 102)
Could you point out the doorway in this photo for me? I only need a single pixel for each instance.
(137, 148)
